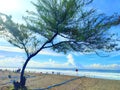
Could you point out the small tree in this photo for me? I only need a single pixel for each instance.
(63, 26)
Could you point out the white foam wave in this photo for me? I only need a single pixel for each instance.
(92, 74)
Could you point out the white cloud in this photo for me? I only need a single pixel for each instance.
(51, 53)
(12, 62)
(15, 49)
(100, 66)
(70, 60)
(70, 63)
(18, 62)
(3, 42)
(50, 63)
(10, 49)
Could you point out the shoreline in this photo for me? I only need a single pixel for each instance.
(91, 74)
(42, 80)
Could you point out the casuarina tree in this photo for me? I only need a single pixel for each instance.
(61, 25)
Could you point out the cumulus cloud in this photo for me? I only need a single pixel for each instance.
(70, 63)
(12, 62)
(100, 66)
(70, 60)
(19, 61)
(50, 63)
(15, 49)
(10, 49)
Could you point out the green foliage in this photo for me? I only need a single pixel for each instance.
(18, 35)
(62, 25)
(82, 29)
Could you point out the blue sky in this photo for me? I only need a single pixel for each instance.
(11, 56)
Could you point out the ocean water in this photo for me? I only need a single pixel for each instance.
(93, 73)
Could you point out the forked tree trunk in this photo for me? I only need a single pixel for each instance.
(22, 77)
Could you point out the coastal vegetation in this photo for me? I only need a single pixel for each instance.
(62, 26)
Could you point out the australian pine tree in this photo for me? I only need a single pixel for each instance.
(62, 26)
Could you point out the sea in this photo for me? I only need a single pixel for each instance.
(92, 73)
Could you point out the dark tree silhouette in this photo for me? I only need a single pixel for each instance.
(61, 25)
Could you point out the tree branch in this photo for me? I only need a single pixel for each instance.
(25, 49)
(43, 46)
(66, 42)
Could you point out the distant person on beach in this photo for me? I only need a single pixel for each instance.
(52, 72)
(76, 71)
(18, 70)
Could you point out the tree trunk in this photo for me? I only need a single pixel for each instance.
(22, 77)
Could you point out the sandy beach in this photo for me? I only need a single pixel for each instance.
(58, 82)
